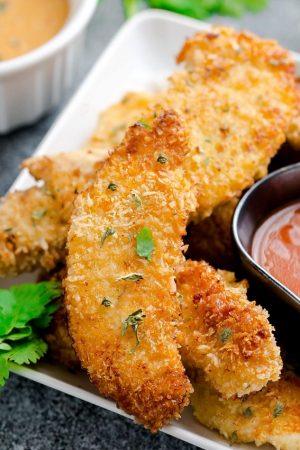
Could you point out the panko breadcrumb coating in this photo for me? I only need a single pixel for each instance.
(238, 96)
(64, 175)
(121, 302)
(271, 415)
(32, 231)
(223, 333)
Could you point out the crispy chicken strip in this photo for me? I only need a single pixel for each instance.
(234, 126)
(269, 416)
(120, 296)
(238, 95)
(224, 333)
(31, 230)
(25, 243)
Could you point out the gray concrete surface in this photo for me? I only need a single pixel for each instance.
(33, 417)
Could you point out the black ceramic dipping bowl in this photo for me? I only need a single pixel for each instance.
(272, 192)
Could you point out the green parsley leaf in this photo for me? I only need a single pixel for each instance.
(248, 412)
(108, 232)
(23, 309)
(225, 334)
(199, 9)
(18, 333)
(143, 124)
(131, 7)
(131, 277)
(133, 321)
(20, 304)
(162, 159)
(106, 302)
(136, 199)
(233, 437)
(27, 352)
(44, 320)
(3, 7)
(279, 407)
(4, 370)
(5, 346)
(144, 243)
(112, 186)
(38, 214)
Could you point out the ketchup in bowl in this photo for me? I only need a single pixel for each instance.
(276, 246)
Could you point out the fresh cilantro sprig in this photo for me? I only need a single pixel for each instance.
(199, 9)
(24, 310)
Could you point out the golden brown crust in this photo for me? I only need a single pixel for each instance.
(234, 126)
(238, 95)
(64, 174)
(223, 333)
(32, 232)
(148, 382)
(269, 416)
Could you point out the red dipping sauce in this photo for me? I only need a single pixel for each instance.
(276, 246)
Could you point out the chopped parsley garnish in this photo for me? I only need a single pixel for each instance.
(162, 159)
(106, 302)
(279, 407)
(133, 321)
(144, 243)
(24, 310)
(234, 437)
(112, 186)
(225, 334)
(248, 412)
(8, 230)
(38, 214)
(143, 124)
(3, 6)
(131, 277)
(136, 199)
(108, 232)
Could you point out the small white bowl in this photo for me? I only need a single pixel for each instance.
(35, 82)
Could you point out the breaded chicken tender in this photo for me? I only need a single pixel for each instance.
(64, 174)
(123, 246)
(67, 174)
(238, 97)
(223, 333)
(32, 231)
(271, 415)
(115, 120)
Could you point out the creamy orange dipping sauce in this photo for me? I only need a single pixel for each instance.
(276, 246)
(28, 24)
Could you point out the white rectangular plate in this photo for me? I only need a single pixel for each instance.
(140, 57)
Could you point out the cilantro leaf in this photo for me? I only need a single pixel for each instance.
(44, 320)
(18, 333)
(4, 370)
(23, 310)
(200, 9)
(144, 243)
(131, 7)
(27, 352)
(20, 304)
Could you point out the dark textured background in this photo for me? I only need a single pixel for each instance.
(33, 417)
